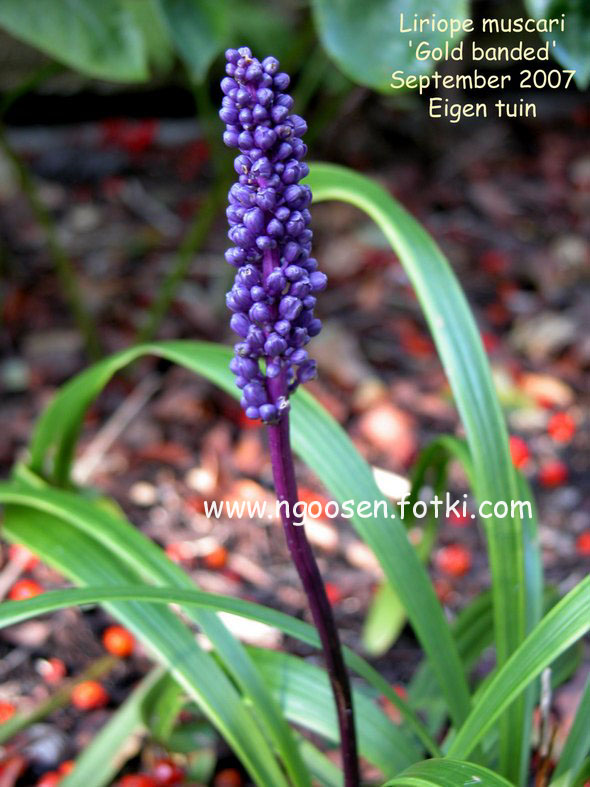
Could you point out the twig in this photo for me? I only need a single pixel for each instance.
(193, 240)
(92, 457)
(62, 263)
(57, 700)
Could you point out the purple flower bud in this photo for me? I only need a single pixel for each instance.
(240, 324)
(275, 345)
(270, 65)
(264, 137)
(318, 281)
(260, 313)
(269, 221)
(275, 282)
(306, 371)
(254, 220)
(275, 229)
(281, 81)
(258, 293)
(266, 199)
(268, 413)
(290, 307)
(255, 394)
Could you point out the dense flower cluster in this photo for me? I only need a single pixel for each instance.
(273, 296)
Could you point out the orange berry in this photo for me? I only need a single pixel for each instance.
(454, 560)
(216, 559)
(167, 772)
(67, 766)
(49, 779)
(519, 451)
(228, 777)
(583, 544)
(89, 695)
(561, 427)
(23, 589)
(118, 641)
(553, 473)
(7, 711)
(389, 708)
(24, 556)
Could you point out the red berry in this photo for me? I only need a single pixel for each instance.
(228, 777)
(334, 593)
(167, 772)
(89, 695)
(118, 641)
(216, 559)
(49, 779)
(7, 711)
(23, 589)
(519, 451)
(454, 560)
(583, 544)
(22, 555)
(52, 670)
(553, 473)
(137, 780)
(457, 519)
(67, 766)
(561, 427)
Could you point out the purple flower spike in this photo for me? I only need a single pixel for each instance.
(269, 226)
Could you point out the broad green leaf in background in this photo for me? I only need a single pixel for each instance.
(572, 47)
(365, 40)
(149, 20)
(198, 30)
(85, 561)
(99, 39)
(447, 773)
(515, 589)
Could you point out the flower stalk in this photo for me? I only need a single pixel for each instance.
(272, 300)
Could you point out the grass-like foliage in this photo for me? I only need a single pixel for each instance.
(452, 732)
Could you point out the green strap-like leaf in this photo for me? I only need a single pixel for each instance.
(14, 612)
(76, 554)
(99, 39)
(564, 625)
(143, 556)
(86, 562)
(447, 773)
(463, 358)
(322, 444)
(576, 746)
(304, 693)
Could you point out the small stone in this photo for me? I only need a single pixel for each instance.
(143, 493)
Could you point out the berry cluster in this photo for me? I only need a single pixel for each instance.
(273, 295)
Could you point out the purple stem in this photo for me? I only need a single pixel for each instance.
(321, 611)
